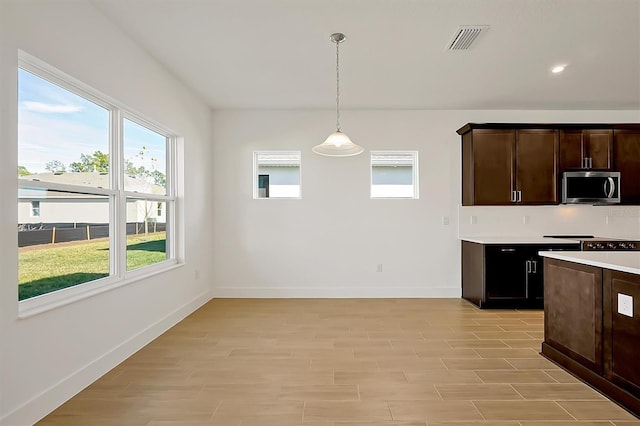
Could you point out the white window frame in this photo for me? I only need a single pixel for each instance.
(255, 173)
(414, 170)
(118, 274)
(34, 208)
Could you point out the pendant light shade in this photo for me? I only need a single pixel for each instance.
(338, 144)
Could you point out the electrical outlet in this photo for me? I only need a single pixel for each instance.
(625, 305)
(473, 220)
(379, 267)
(526, 219)
(196, 274)
(445, 220)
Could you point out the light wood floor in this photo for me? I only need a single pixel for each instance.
(343, 362)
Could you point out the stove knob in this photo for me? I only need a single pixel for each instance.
(613, 246)
(623, 246)
(591, 246)
(599, 246)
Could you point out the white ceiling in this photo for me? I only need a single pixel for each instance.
(277, 53)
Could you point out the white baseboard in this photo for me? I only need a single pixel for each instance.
(48, 400)
(337, 292)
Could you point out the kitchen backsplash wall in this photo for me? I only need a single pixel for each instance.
(602, 221)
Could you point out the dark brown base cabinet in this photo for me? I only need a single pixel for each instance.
(504, 275)
(585, 334)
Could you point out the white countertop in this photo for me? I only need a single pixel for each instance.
(518, 240)
(625, 261)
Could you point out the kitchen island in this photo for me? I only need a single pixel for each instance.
(592, 320)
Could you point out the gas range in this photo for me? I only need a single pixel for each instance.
(591, 243)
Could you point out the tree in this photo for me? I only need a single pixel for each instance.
(55, 166)
(96, 162)
(131, 170)
(22, 171)
(154, 175)
(159, 178)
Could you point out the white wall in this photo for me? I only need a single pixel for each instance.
(329, 243)
(45, 359)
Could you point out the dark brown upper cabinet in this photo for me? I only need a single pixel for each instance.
(586, 149)
(626, 160)
(509, 166)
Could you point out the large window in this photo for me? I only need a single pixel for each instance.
(394, 174)
(95, 189)
(276, 174)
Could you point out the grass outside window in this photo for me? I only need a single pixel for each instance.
(51, 267)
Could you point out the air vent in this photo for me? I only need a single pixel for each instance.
(465, 36)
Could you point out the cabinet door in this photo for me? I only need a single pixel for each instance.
(598, 147)
(506, 274)
(535, 277)
(493, 166)
(536, 166)
(571, 154)
(626, 160)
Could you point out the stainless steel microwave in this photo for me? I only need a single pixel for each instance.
(590, 187)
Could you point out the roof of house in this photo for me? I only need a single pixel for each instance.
(94, 179)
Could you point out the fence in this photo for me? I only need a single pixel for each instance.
(51, 233)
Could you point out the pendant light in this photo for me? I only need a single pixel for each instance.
(338, 144)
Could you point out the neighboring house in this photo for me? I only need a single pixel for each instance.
(278, 175)
(393, 175)
(36, 206)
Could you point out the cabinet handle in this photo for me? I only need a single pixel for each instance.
(519, 196)
(590, 162)
(507, 249)
(535, 266)
(528, 266)
(513, 196)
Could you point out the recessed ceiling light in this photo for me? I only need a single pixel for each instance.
(557, 69)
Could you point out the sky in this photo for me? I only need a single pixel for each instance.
(55, 124)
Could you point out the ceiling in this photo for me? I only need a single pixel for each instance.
(277, 53)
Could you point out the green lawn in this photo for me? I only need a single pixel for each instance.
(46, 268)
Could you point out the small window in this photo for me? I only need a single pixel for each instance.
(35, 209)
(394, 174)
(276, 174)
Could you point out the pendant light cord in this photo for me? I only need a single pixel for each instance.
(338, 86)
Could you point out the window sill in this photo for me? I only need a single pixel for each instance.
(394, 198)
(46, 302)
